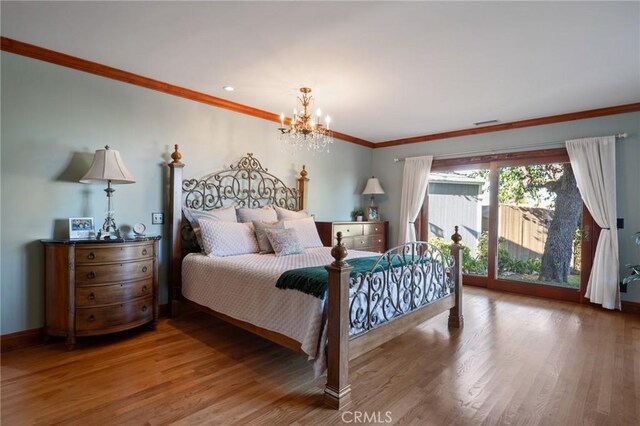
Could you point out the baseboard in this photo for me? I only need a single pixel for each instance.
(631, 307)
(26, 338)
(20, 339)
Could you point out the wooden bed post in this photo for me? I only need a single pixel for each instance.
(455, 314)
(303, 186)
(337, 392)
(175, 221)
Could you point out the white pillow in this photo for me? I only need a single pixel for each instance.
(265, 214)
(284, 214)
(284, 241)
(261, 234)
(224, 214)
(306, 231)
(228, 238)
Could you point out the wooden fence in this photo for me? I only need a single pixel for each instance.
(523, 230)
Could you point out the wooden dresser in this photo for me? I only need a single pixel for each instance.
(368, 236)
(95, 287)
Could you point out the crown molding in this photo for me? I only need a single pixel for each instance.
(51, 56)
(580, 115)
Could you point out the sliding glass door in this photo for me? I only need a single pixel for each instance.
(539, 224)
(522, 220)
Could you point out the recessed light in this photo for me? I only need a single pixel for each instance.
(482, 123)
(228, 88)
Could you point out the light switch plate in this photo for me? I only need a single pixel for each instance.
(157, 218)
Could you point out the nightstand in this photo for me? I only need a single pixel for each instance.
(367, 236)
(95, 287)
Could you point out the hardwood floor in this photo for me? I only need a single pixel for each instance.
(518, 360)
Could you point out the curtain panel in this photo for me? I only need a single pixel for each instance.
(594, 165)
(415, 180)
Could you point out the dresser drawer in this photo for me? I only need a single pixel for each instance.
(95, 274)
(113, 315)
(113, 293)
(373, 229)
(348, 229)
(358, 243)
(378, 241)
(114, 253)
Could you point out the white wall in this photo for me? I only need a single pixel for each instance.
(54, 118)
(627, 157)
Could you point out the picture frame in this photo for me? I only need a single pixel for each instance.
(372, 214)
(81, 228)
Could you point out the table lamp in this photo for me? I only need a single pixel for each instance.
(373, 187)
(107, 166)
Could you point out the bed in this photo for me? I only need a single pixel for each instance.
(348, 312)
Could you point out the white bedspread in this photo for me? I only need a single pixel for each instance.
(243, 287)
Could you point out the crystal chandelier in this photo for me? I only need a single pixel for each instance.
(305, 130)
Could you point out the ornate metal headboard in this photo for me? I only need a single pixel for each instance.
(244, 184)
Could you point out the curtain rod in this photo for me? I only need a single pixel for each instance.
(494, 151)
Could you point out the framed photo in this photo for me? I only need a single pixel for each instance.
(81, 228)
(372, 214)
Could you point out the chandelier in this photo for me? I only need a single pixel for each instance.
(305, 130)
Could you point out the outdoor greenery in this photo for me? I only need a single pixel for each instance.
(470, 264)
(478, 264)
(508, 265)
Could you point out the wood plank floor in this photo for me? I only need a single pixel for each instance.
(518, 360)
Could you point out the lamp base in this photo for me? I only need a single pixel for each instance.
(109, 230)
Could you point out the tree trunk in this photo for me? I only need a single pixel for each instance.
(556, 259)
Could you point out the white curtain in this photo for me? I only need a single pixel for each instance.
(414, 188)
(594, 164)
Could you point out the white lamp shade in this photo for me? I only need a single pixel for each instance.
(373, 187)
(107, 166)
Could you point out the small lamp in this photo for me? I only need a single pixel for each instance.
(108, 167)
(373, 187)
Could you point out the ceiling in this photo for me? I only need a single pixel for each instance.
(382, 70)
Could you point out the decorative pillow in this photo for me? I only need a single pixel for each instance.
(224, 214)
(261, 234)
(284, 214)
(265, 214)
(284, 241)
(227, 238)
(306, 231)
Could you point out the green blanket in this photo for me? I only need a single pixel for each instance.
(314, 280)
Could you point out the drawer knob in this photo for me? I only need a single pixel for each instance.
(144, 252)
(144, 289)
(92, 296)
(144, 269)
(361, 242)
(375, 229)
(91, 256)
(91, 318)
(144, 308)
(348, 230)
(91, 275)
